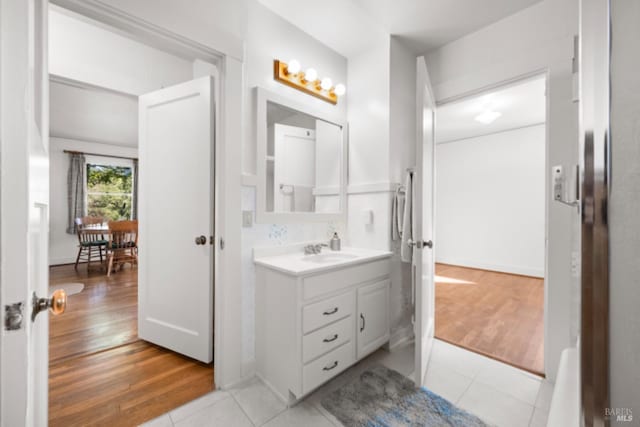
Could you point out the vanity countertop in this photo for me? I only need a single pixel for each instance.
(297, 264)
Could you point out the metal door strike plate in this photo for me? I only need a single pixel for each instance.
(13, 316)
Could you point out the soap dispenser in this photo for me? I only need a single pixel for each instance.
(334, 243)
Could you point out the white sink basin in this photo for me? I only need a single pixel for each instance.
(329, 257)
(290, 259)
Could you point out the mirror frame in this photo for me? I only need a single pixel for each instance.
(262, 96)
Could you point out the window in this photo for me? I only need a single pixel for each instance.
(109, 191)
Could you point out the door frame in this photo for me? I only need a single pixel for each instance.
(149, 34)
(513, 81)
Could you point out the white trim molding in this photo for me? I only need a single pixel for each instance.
(373, 187)
(249, 180)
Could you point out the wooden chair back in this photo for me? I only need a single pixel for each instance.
(123, 234)
(85, 222)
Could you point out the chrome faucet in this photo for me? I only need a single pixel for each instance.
(314, 249)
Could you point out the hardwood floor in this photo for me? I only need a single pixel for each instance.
(496, 314)
(104, 315)
(124, 386)
(100, 374)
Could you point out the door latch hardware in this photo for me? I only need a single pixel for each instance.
(57, 303)
(420, 244)
(13, 316)
(221, 243)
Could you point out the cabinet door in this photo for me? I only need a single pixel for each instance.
(373, 317)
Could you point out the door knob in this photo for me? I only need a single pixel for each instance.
(420, 244)
(57, 303)
(201, 240)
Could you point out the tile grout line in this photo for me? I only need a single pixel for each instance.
(243, 411)
(198, 411)
(457, 402)
(531, 417)
(507, 393)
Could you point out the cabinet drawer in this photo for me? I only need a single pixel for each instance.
(335, 280)
(322, 313)
(327, 366)
(326, 339)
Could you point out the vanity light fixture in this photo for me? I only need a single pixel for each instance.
(293, 67)
(307, 81)
(311, 75)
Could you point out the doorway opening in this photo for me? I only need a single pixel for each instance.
(103, 369)
(491, 223)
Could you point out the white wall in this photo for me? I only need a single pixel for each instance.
(624, 268)
(217, 24)
(63, 247)
(535, 39)
(490, 193)
(381, 113)
(270, 37)
(88, 53)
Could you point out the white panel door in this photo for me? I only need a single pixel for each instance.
(175, 288)
(424, 258)
(294, 166)
(24, 204)
(373, 317)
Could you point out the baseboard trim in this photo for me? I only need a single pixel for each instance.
(237, 383)
(509, 269)
(53, 262)
(401, 337)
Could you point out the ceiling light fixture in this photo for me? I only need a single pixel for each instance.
(307, 81)
(488, 117)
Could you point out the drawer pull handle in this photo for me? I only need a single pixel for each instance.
(333, 338)
(328, 368)
(363, 323)
(329, 313)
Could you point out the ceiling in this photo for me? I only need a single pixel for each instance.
(521, 105)
(423, 24)
(94, 115)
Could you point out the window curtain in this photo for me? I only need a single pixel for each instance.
(134, 201)
(75, 190)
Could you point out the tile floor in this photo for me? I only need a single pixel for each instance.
(499, 394)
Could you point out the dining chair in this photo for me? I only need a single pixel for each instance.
(90, 238)
(122, 246)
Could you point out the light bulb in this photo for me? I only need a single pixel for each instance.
(311, 75)
(340, 89)
(293, 67)
(326, 83)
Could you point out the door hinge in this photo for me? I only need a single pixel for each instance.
(13, 316)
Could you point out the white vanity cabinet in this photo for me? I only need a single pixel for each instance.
(312, 325)
(373, 317)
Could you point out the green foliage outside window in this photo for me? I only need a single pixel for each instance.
(109, 192)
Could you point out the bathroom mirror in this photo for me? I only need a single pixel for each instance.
(301, 162)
